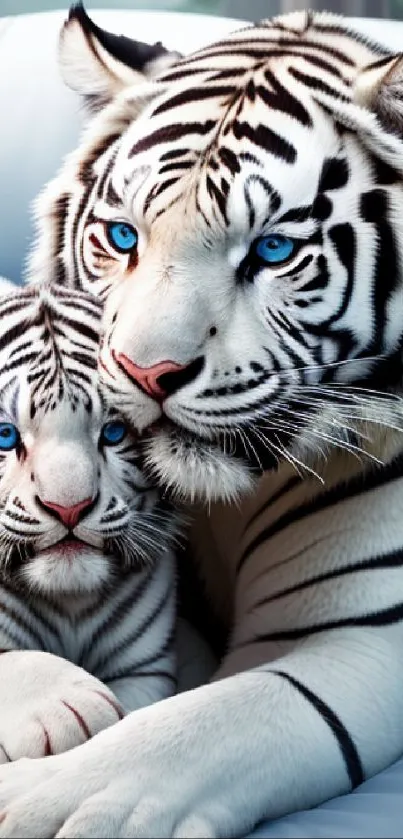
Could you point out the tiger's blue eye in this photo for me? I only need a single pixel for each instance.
(274, 249)
(122, 236)
(113, 433)
(9, 436)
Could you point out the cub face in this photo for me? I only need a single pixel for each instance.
(75, 506)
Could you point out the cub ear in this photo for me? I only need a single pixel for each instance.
(98, 64)
(379, 87)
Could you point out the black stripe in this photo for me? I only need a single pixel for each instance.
(191, 95)
(32, 611)
(232, 48)
(20, 361)
(344, 241)
(171, 155)
(130, 640)
(334, 175)
(394, 559)
(113, 515)
(139, 674)
(15, 332)
(78, 327)
(321, 280)
(222, 75)
(33, 638)
(16, 304)
(375, 210)
(300, 266)
(78, 375)
(178, 74)
(297, 214)
(362, 483)
(86, 359)
(148, 661)
(346, 743)
(244, 410)
(171, 133)
(337, 29)
(199, 208)
(229, 159)
(27, 519)
(280, 99)
(216, 194)
(265, 138)
(176, 165)
(157, 189)
(294, 481)
(383, 617)
(20, 348)
(119, 611)
(313, 83)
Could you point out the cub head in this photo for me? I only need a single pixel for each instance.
(75, 508)
(241, 212)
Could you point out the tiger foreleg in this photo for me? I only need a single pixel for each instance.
(218, 759)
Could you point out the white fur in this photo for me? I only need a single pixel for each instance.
(309, 605)
(248, 746)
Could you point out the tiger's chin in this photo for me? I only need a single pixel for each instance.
(195, 469)
(55, 573)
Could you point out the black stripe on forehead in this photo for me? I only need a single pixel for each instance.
(63, 327)
(172, 133)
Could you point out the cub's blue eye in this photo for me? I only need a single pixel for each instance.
(113, 433)
(9, 436)
(274, 249)
(122, 236)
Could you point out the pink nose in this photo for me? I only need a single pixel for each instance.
(148, 377)
(70, 516)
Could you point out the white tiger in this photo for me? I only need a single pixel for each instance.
(87, 570)
(242, 213)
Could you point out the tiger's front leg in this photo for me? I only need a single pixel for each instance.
(215, 761)
(49, 705)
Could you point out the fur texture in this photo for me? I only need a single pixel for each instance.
(287, 136)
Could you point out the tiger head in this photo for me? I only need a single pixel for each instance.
(240, 209)
(75, 508)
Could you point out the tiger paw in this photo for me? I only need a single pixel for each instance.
(49, 705)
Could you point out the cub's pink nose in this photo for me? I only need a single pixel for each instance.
(70, 516)
(149, 378)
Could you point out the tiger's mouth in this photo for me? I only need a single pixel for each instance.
(68, 546)
(236, 443)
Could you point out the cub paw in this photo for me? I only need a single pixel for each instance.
(49, 705)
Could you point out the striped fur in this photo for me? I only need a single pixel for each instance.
(101, 592)
(291, 127)
(279, 145)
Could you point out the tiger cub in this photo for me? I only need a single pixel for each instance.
(87, 574)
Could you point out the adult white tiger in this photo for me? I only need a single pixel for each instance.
(243, 214)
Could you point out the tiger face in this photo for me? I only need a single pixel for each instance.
(75, 508)
(240, 214)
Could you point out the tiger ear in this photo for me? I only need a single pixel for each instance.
(379, 88)
(99, 65)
